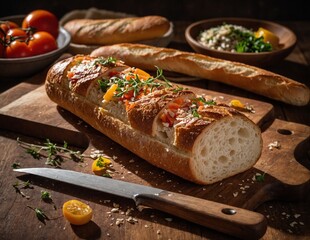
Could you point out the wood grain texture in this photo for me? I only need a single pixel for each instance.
(279, 165)
(288, 218)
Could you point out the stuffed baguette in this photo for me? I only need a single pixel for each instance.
(167, 125)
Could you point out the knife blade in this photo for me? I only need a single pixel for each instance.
(237, 222)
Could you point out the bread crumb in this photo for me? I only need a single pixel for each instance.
(292, 224)
(235, 194)
(132, 220)
(119, 221)
(275, 144)
(115, 205)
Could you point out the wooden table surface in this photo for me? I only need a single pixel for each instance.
(286, 219)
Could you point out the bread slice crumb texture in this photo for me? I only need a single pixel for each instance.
(227, 147)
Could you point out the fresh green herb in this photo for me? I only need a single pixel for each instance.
(110, 61)
(46, 196)
(54, 154)
(17, 188)
(249, 43)
(195, 112)
(207, 102)
(160, 75)
(100, 162)
(103, 84)
(135, 84)
(27, 184)
(15, 165)
(34, 153)
(39, 214)
(260, 177)
(177, 89)
(106, 175)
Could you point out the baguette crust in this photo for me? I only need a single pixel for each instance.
(110, 31)
(240, 75)
(142, 114)
(202, 149)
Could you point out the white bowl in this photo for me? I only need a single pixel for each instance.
(24, 67)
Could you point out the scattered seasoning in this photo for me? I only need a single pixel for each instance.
(273, 145)
(39, 214)
(131, 220)
(168, 219)
(15, 186)
(119, 221)
(46, 196)
(237, 104)
(15, 165)
(54, 154)
(260, 177)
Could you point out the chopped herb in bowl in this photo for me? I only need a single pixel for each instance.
(235, 38)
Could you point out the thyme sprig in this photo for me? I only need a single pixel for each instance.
(18, 188)
(46, 196)
(110, 61)
(135, 84)
(53, 153)
(39, 214)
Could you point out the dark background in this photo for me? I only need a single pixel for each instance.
(188, 10)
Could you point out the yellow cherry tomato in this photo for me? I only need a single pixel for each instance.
(236, 103)
(100, 165)
(110, 92)
(268, 36)
(77, 212)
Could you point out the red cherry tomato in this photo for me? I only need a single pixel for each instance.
(42, 42)
(16, 34)
(42, 20)
(1, 50)
(7, 25)
(17, 49)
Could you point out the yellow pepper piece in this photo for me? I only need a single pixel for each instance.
(110, 92)
(236, 103)
(100, 165)
(142, 74)
(268, 36)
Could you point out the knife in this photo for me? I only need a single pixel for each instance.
(237, 222)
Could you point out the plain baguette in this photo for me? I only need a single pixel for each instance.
(110, 31)
(217, 144)
(240, 75)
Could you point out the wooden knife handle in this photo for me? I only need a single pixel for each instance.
(227, 219)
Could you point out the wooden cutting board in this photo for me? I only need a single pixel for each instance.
(285, 177)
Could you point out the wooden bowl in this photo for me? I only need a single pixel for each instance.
(287, 41)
